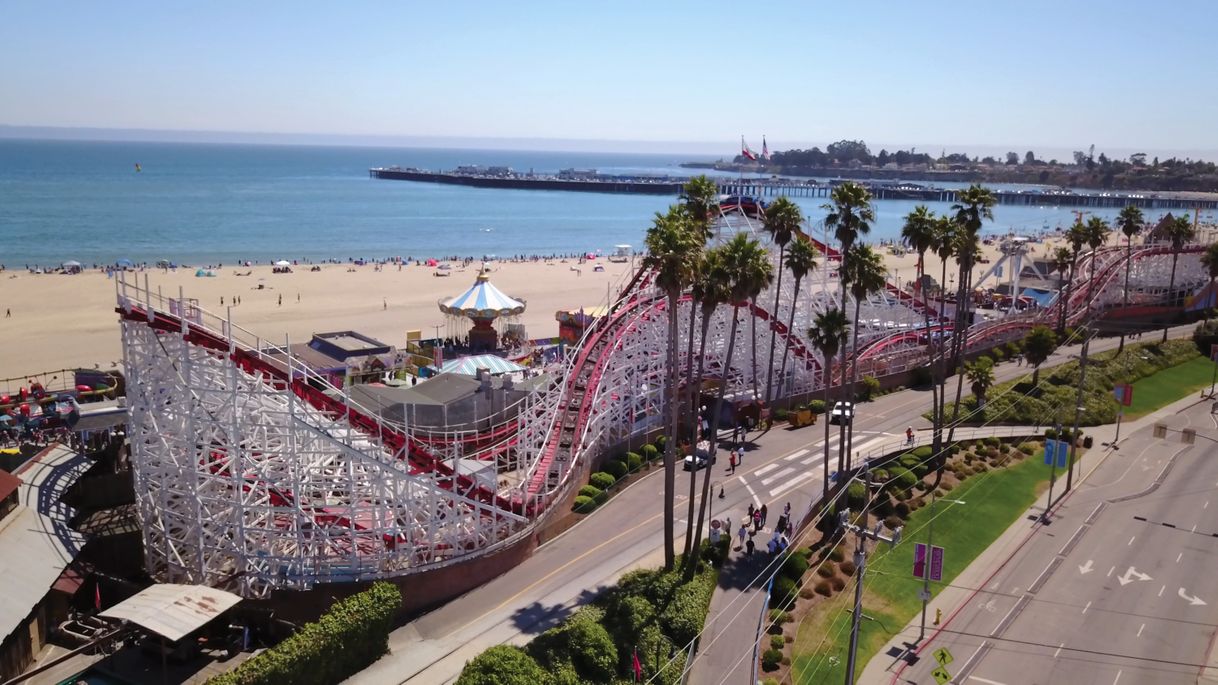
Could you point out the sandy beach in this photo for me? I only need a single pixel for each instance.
(60, 321)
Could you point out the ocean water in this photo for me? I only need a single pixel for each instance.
(211, 203)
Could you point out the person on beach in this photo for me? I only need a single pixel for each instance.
(280, 299)
(384, 303)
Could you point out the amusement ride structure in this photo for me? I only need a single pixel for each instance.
(255, 474)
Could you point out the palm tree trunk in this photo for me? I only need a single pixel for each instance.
(1206, 308)
(690, 540)
(670, 445)
(786, 348)
(960, 338)
(941, 366)
(1125, 293)
(769, 381)
(1091, 283)
(753, 346)
(697, 548)
(854, 376)
(828, 376)
(693, 408)
(1171, 288)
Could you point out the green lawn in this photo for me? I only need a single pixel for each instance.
(992, 501)
(1164, 387)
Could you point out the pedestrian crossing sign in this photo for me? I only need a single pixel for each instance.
(943, 657)
(941, 675)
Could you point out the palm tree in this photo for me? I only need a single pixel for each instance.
(850, 215)
(1130, 222)
(701, 200)
(746, 271)
(671, 248)
(782, 222)
(918, 234)
(801, 260)
(980, 377)
(1179, 232)
(863, 268)
(944, 244)
(1062, 261)
(1209, 259)
(828, 335)
(968, 246)
(1077, 236)
(973, 207)
(1097, 234)
(708, 291)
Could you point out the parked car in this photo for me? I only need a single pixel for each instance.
(843, 412)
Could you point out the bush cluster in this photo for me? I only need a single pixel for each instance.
(602, 480)
(346, 639)
(654, 612)
(1017, 403)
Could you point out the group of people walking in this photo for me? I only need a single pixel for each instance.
(756, 519)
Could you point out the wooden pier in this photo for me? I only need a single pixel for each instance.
(763, 188)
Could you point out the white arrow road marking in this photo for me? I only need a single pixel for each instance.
(1085, 568)
(1194, 601)
(1130, 574)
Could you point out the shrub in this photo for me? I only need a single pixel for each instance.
(826, 570)
(1028, 448)
(1051, 433)
(794, 567)
(583, 504)
(901, 509)
(682, 619)
(848, 568)
(946, 486)
(602, 480)
(777, 642)
(661, 442)
(893, 522)
(920, 376)
(650, 452)
(856, 496)
(998, 354)
(589, 645)
(781, 414)
(817, 406)
(634, 461)
(616, 469)
(870, 388)
(837, 583)
(502, 665)
(783, 593)
(590, 491)
(779, 617)
(824, 588)
(807, 592)
(771, 659)
(837, 554)
(352, 634)
(769, 681)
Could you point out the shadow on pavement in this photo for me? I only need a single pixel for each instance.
(743, 572)
(536, 618)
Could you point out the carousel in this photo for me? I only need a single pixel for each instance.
(484, 305)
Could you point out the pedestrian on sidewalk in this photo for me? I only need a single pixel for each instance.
(740, 455)
(757, 521)
(764, 514)
(732, 461)
(786, 511)
(751, 510)
(748, 546)
(741, 534)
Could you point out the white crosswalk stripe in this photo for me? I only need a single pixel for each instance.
(791, 484)
(777, 476)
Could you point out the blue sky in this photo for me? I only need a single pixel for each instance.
(967, 75)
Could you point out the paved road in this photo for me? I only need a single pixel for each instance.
(1118, 589)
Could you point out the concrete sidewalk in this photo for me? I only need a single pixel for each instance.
(885, 667)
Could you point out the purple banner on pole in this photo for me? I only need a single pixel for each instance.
(936, 563)
(919, 566)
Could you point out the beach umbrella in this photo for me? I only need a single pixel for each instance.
(71, 264)
(125, 263)
(283, 262)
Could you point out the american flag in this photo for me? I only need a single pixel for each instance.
(765, 151)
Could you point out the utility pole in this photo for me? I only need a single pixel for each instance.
(1078, 409)
(930, 530)
(1052, 470)
(860, 562)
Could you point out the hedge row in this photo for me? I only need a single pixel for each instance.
(1017, 403)
(346, 639)
(595, 493)
(649, 612)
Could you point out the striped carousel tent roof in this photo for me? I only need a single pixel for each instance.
(482, 300)
(468, 366)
